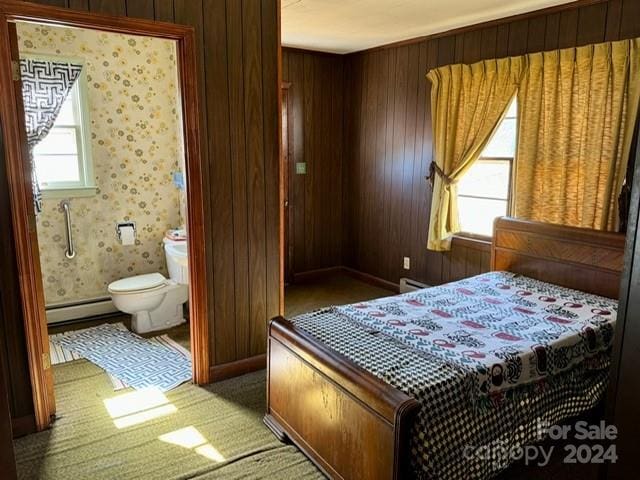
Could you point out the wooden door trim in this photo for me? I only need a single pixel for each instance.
(18, 171)
(285, 179)
(280, 166)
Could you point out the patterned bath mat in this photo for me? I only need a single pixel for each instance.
(62, 355)
(129, 360)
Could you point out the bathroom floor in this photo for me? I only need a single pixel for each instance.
(180, 333)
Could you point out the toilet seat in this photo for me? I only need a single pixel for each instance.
(138, 283)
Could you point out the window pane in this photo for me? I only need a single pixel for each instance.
(513, 109)
(477, 215)
(486, 178)
(503, 142)
(57, 168)
(60, 141)
(66, 115)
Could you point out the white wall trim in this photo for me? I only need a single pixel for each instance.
(66, 312)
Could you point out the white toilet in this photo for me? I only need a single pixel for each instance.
(154, 302)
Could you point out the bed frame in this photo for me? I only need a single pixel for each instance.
(353, 425)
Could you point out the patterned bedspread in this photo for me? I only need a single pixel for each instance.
(452, 433)
(503, 330)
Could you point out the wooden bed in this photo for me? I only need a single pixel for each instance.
(353, 425)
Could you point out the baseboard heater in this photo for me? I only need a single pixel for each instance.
(408, 285)
(65, 312)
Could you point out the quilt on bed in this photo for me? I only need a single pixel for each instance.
(452, 432)
(502, 329)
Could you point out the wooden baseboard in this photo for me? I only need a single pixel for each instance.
(371, 279)
(311, 275)
(22, 426)
(237, 368)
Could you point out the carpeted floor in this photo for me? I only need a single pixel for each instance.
(212, 432)
(335, 289)
(191, 432)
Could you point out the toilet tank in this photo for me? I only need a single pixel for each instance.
(176, 253)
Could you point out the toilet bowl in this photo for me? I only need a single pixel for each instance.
(155, 302)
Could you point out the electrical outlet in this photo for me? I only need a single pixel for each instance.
(407, 263)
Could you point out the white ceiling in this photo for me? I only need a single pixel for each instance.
(344, 26)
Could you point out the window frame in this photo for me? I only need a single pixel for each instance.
(512, 165)
(86, 186)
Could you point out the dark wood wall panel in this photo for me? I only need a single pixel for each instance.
(253, 111)
(13, 353)
(141, 9)
(111, 7)
(164, 9)
(237, 48)
(271, 81)
(389, 141)
(237, 147)
(315, 137)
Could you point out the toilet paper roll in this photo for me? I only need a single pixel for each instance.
(127, 235)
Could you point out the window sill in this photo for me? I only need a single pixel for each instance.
(471, 240)
(69, 192)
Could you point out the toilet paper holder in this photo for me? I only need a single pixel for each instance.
(120, 225)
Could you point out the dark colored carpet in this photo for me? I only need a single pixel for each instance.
(335, 289)
(211, 432)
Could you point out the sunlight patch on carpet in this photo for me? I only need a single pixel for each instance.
(191, 438)
(134, 408)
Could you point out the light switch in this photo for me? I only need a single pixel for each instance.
(407, 263)
(301, 168)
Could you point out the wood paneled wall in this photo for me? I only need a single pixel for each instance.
(13, 353)
(388, 146)
(315, 136)
(238, 50)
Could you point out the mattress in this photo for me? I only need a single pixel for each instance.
(459, 422)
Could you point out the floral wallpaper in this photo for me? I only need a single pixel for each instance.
(136, 146)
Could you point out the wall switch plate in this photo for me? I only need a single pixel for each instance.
(407, 263)
(301, 168)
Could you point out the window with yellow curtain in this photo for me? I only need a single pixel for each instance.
(578, 109)
(468, 103)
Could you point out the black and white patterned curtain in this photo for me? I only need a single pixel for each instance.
(45, 87)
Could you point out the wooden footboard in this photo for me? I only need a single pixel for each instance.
(350, 423)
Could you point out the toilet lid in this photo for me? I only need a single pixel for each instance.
(137, 283)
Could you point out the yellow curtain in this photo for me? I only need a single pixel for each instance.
(467, 104)
(577, 109)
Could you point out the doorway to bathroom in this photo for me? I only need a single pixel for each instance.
(106, 197)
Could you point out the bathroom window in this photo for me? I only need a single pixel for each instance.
(63, 158)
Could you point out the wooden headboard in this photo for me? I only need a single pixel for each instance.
(579, 258)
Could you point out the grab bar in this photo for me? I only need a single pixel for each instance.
(70, 252)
